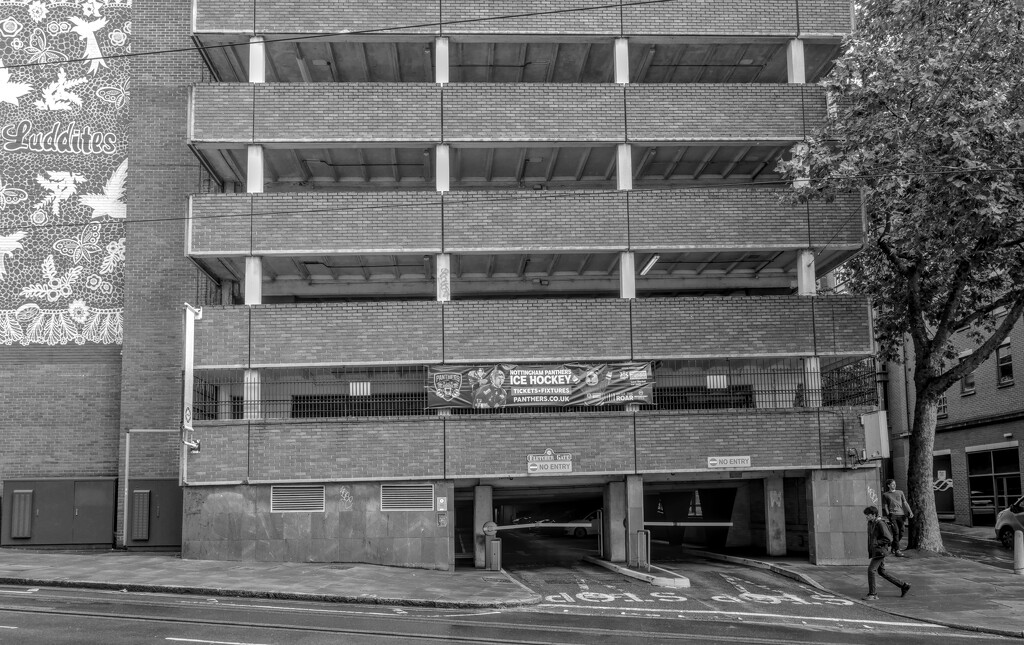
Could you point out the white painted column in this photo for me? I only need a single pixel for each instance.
(624, 167)
(442, 173)
(622, 61)
(253, 280)
(795, 64)
(812, 382)
(224, 401)
(627, 275)
(805, 274)
(441, 65)
(257, 60)
(251, 395)
(444, 276)
(254, 169)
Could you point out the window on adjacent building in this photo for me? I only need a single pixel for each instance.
(1004, 365)
(967, 383)
(941, 411)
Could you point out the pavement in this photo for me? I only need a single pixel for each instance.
(946, 590)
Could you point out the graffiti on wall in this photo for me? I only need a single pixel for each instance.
(64, 100)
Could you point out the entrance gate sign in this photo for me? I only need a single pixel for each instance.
(563, 385)
(549, 462)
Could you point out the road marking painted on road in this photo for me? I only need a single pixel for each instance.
(197, 640)
(740, 614)
(18, 592)
(7, 627)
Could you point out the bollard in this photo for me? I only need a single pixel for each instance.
(494, 555)
(1018, 552)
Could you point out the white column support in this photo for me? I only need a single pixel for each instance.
(627, 274)
(224, 402)
(622, 61)
(251, 395)
(624, 167)
(442, 172)
(800, 156)
(441, 65)
(812, 382)
(253, 280)
(795, 65)
(257, 59)
(254, 169)
(805, 274)
(444, 276)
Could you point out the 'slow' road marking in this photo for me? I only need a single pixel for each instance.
(742, 614)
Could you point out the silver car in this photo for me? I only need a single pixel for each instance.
(1010, 520)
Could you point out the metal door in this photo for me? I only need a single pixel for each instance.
(52, 506)
(93, 520)
(154, 513)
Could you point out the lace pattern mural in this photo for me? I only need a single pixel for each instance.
(64, 100)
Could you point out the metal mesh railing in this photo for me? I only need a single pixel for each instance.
(401, 391)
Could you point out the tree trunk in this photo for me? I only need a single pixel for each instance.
(920, 490)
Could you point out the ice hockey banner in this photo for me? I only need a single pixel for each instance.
(566, 385)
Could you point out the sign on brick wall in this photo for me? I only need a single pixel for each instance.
(63, 168)
(568, 384)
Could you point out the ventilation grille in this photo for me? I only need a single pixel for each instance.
(297, 499)
(407, 498)
(140, 515)
(21, 514)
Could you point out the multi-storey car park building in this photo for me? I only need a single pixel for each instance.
(393, 213)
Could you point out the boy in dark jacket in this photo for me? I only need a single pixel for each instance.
(879, 540)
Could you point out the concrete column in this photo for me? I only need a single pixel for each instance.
(774, 516)
(614, 522)
(812, 382)
(622, 60)
(441, 64)
(806, 280)
(444, 276)
(836, 527)
(482, 512)
(257, 60)
(634, 515)
(624, 167)
(253, 280)
(795, 65)
(254, 169)
(227, 296)
(251, 395)
(442, 174)
(627, 275)
(224, 402)
(800, 154)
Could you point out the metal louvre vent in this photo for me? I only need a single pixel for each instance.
(419, 497)
(297, 499)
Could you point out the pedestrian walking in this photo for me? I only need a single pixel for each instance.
(879, 541)
(896, 507)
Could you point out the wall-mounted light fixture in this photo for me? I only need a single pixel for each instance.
(650, 264)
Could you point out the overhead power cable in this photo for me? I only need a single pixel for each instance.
(358, 32)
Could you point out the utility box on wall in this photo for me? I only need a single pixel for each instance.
(53, 512)
(876, 435)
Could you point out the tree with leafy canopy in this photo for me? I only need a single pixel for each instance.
(926, 120)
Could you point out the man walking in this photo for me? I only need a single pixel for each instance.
(896, 507)
(879, 539)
